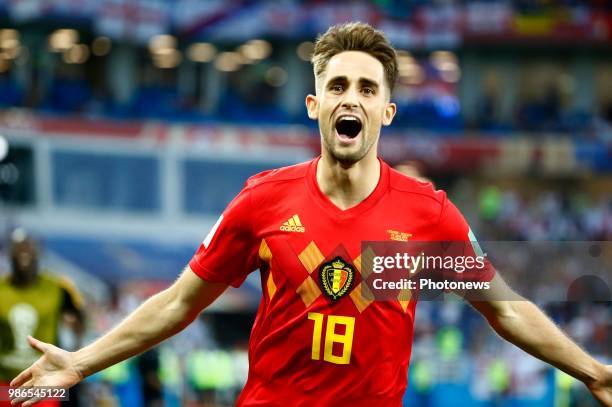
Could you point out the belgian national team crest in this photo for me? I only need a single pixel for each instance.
(336, 277)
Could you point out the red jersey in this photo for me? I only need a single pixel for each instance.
(316, 340)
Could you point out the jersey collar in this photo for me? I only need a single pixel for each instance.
(331, 209)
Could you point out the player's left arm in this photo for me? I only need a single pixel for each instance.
(522, 323)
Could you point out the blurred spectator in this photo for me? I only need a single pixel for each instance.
(537, 114)
(69, 92)
(551, 215)
(413, 169)
(151, 386)
(32, 304)
(11, 93)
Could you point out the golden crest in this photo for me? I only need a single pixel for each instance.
(336, 277)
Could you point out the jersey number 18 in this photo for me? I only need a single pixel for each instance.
(331, 337)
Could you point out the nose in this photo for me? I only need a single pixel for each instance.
(349, 105)
(350, 99)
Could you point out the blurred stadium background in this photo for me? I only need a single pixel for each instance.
(127, 126)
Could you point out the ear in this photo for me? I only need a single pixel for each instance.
(389, 114)
(312, 106)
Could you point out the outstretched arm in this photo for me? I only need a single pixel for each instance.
(158, 318)
(521, 322)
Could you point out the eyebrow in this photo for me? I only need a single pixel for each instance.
(344, 79)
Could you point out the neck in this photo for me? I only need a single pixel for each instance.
(22, 281)
(347, 185)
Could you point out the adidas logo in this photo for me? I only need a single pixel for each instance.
(293, 225)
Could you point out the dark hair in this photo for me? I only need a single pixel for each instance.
(355, 36)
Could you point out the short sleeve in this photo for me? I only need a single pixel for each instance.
(229, 251)
(453, 227)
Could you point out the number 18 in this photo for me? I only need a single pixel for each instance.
(331, 337)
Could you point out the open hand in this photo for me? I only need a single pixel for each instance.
(55, 368)
(602, 388)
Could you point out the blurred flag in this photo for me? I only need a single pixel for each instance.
(133, 20)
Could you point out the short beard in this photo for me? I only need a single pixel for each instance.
(347, 159)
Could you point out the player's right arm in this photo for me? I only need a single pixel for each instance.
(225, 257)
(160, 317)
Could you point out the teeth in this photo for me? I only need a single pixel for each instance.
(349, 118)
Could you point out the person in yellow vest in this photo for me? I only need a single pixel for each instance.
(31, 304)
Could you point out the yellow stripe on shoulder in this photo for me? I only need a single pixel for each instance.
(68, 285)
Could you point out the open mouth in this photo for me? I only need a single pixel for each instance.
(348, 126)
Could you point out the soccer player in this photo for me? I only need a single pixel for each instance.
(31, 303)
(316, 340)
